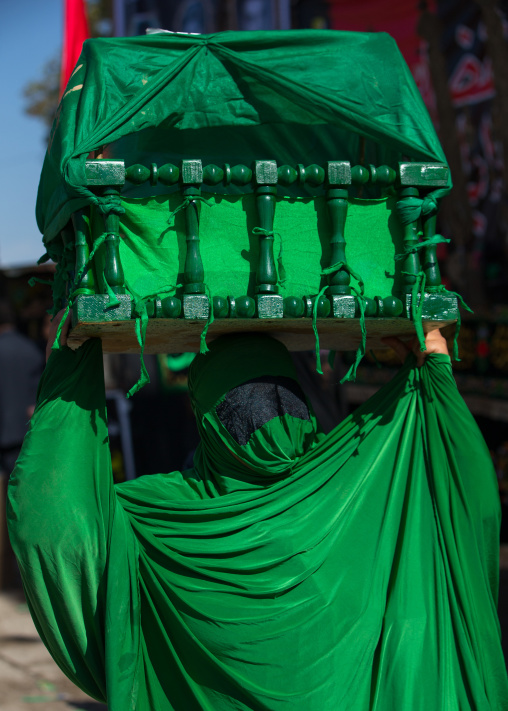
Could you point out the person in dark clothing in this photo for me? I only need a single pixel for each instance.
(21, 365)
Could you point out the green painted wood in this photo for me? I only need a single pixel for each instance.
(411, 264)
(338, 173)
(287, 175)
(241, 307)
(168, 174)
(265, 172)
(196, 307)
(294, 307)
(423, 175)
(191, 172)
(194, 275)
(238, 174)
(382, 175)
(169, 307)
(336, 200)
(359, 175)
(113, 271)
(323, 308)
(105, 173)
(81, 223)
(220, 307)
(343, 306)
(212, 174)
(266, 179)
(270, 306)
(137, 174)
(88, 308)
(430, 263)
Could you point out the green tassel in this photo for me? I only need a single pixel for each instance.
(314, 328)
(203, 348)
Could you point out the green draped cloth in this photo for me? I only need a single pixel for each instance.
(303, 572)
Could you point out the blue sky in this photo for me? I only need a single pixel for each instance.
(30, 34)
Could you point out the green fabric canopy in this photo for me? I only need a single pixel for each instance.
(232, 96)
(355, 571)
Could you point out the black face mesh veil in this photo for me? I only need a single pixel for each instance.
(249, 406)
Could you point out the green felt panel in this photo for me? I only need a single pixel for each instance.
(153, 251)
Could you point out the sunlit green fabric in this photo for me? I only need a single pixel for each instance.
(353, 571)
(153, 252)
(298, 96)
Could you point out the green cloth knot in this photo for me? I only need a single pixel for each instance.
(187, 200)
(435, 240)
(110, 204)
(345, 266)
(410, 209)
(262, 231)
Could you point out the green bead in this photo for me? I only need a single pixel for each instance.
(359, 175)
(212, 174)
(385, 175)
(171, 307)
(137, 174)
(293, 307)
(392, 306)
(323, 308)
(169, 174)
(245, 307)
(287, 175)
(370, 307)
(220, 307)
(314, 175)
(241, 175)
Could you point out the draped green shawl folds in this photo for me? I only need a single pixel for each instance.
(353, 571)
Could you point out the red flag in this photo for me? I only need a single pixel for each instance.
(75, 33)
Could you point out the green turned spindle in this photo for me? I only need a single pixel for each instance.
(196, 304)
(436, 305)
(113, 271)
(411, 264)
(269, 302)
(266, 179)
(194, 275)
(339, 174)
(81, 222)
(429, 262)
(338, 177)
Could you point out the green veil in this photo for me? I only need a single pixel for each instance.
(357, 573)
(272, 451)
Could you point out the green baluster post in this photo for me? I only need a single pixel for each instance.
(81, 222)
(338, 177)
(411, 264)
(113, 271)
(196, 304)
(436, 305)
(104, 177)
(429, 261)
(269, 301)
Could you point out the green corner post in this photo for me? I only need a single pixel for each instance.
(339, 289)
(106, 178)
(413, 178)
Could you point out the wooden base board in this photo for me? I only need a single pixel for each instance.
(182, 336)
